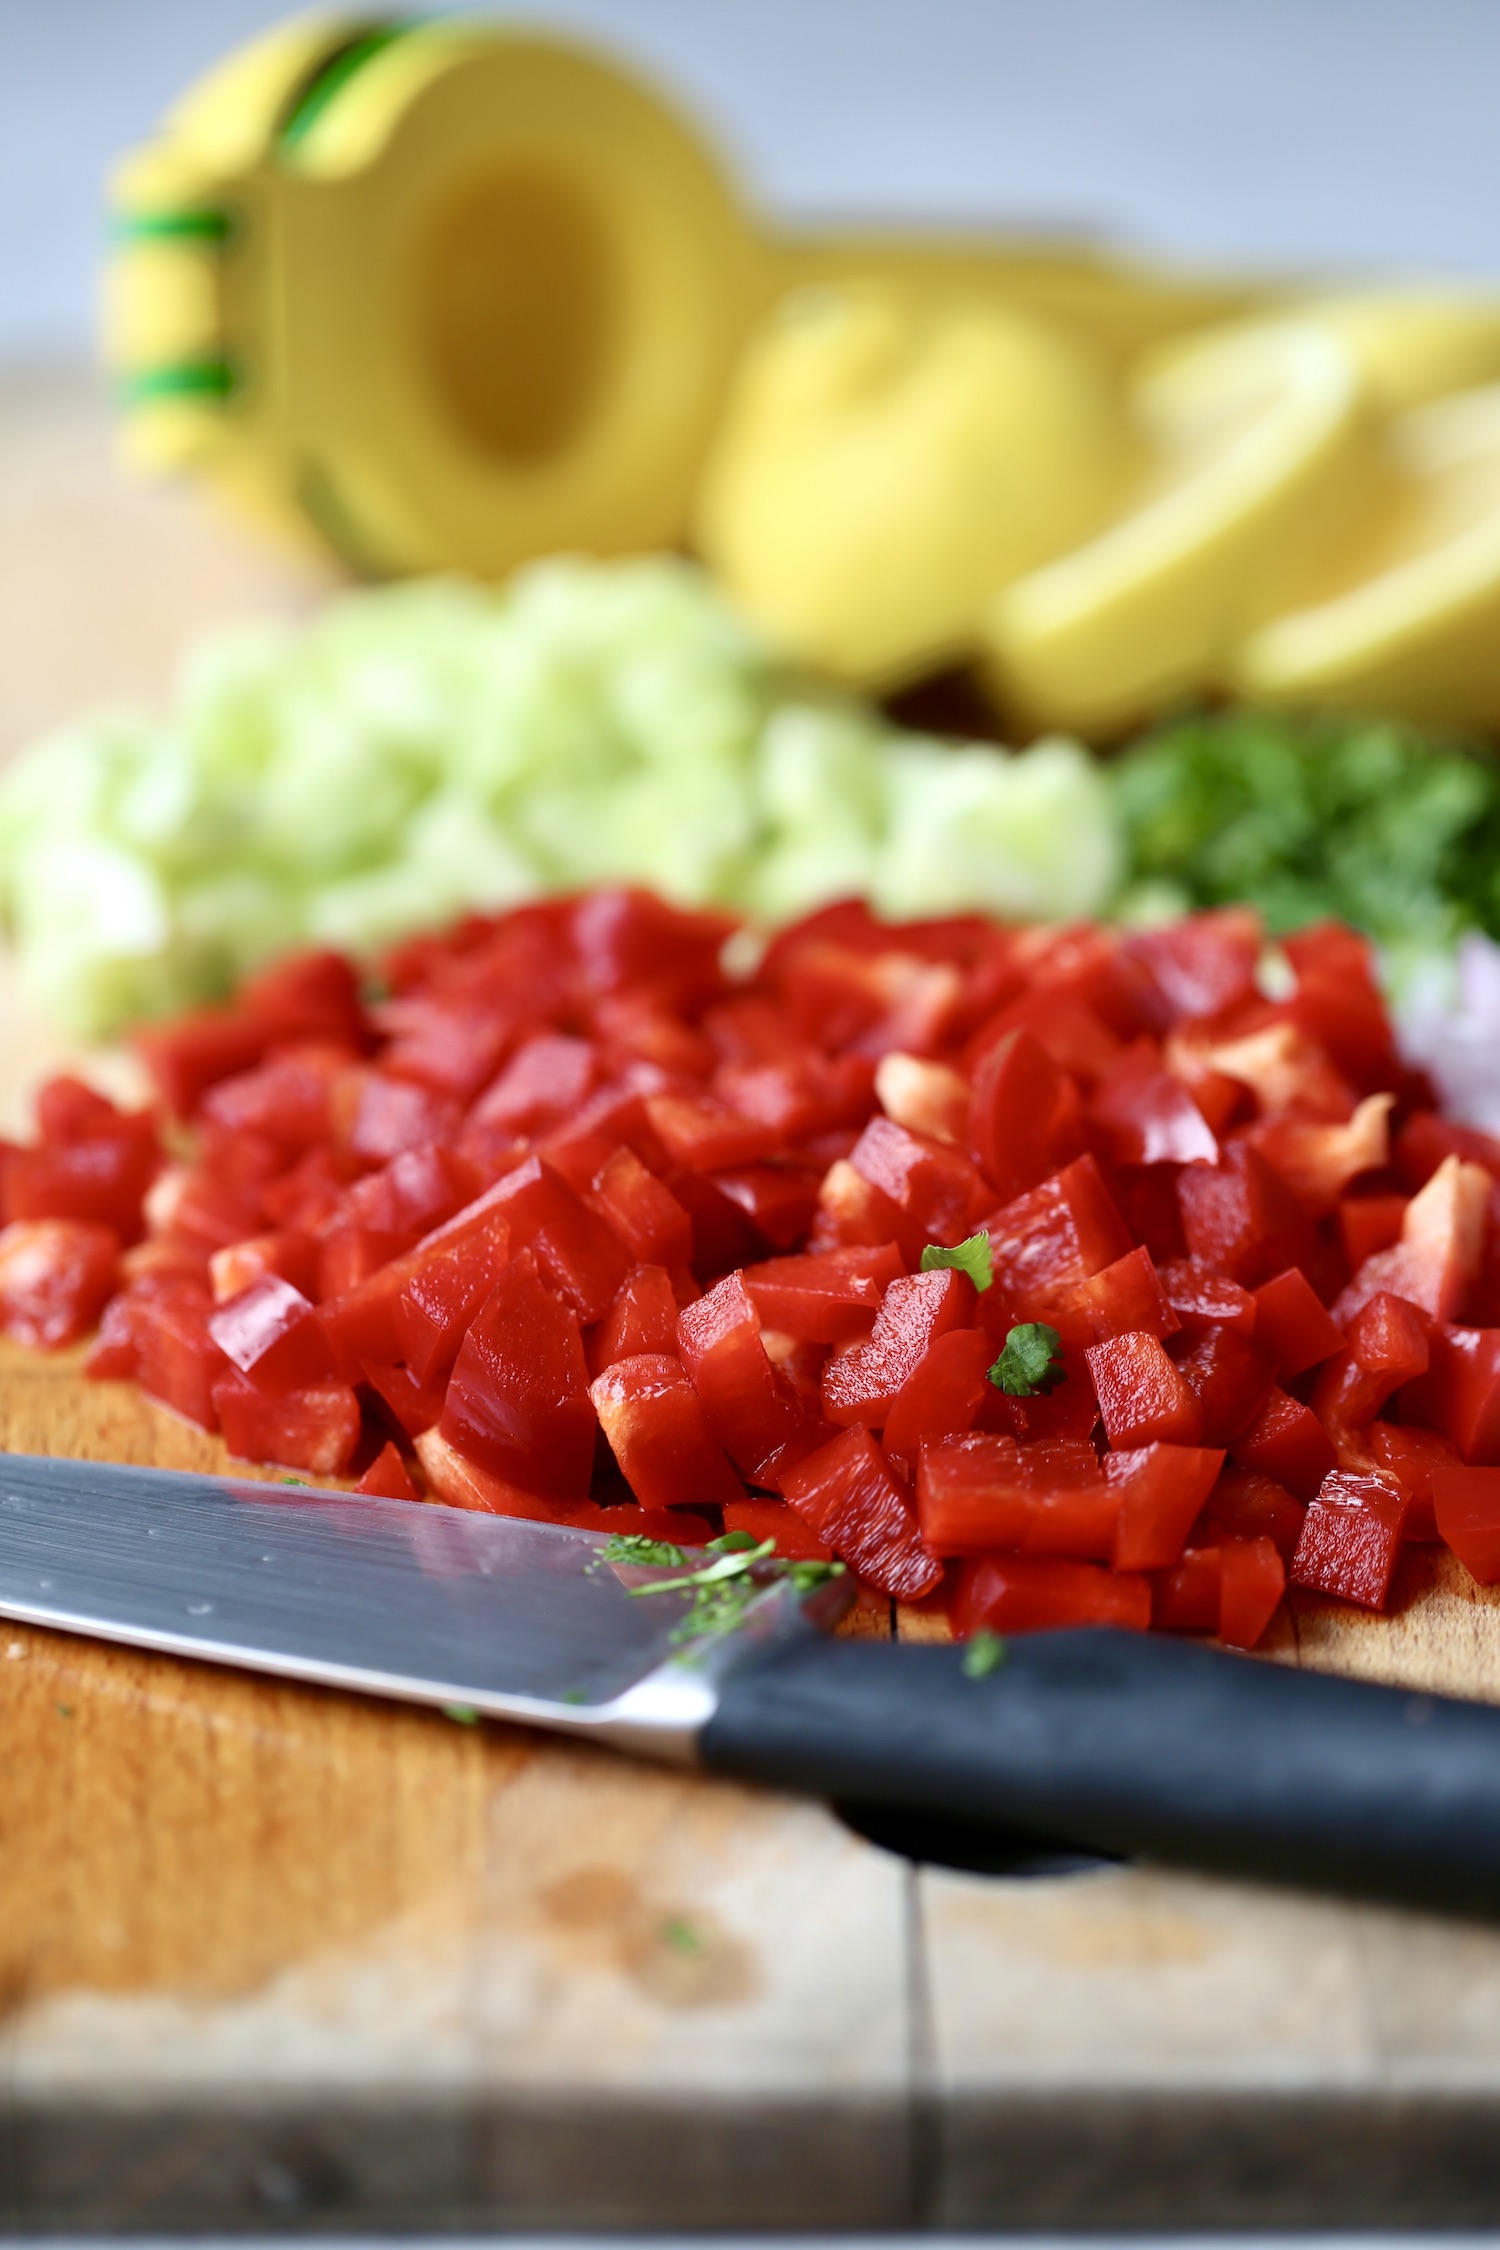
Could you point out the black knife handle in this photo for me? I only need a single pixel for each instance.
(1143, 1746)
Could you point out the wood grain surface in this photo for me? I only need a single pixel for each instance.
(271, 1954)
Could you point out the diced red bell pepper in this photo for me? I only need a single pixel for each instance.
(442, 1294)
(642, 1210)
(1202, 963)
(851, 1501)
(177, 1361)
(778, 1200)
(271, 1332)
(414, 1193)
(1056, 1235)
(56, 1276)
(773, 1519)
(459, 1482)
(1024, 1115)
(582, 1257)
(861, 1383)
(414, 1406)
(1460, 1393)
(289, 1252)
(546, 1078)
(102, 1178)
(1388, 1346)
(351, 1256)
(1437, 1259)
(943, 1393)
(660, 1435)
(643, 1318)
(387, 1477)
(307, 996)
(753, 1409)
(1125, 1298)
(452, 1043)
(1338, 1003)
(1368, 1223)
(1425, 1139)
(853, 1214)
(703, 1137)
(1466, 1505)
(1201, 1298)
(306, 1196)
(1185, 1599)
(1351, 1539)
(928, 1098)
(622, 936)
(1161, 1489)
(1142, 1397)
(1318, 1159)
(983, 1492)
(286, 1099)
(195, 1051)
(1143, 1115)
(1239, 1216)
(935, 1188)
(1025, 1594)
(1232, 1590)
(1286, 1441)
(1291, 1325)
(518, 1400)
(314, 1426)
(828, 1298)
(1230, 1378)
(1247, 1505)
(1411, 1456)
(800, 1092)
(374, 1117)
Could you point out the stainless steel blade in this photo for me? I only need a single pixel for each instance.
(432, 1604)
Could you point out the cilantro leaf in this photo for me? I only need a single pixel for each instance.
(1031, 1363)
(984, 1654)
(971, 1257)
(732, 1543)
(635, 1547)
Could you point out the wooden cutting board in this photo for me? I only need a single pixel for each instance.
(270, 1954)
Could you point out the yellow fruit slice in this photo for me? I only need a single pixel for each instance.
(886, 461)
(1260, 447)
(1407, 618)
(1416, 344)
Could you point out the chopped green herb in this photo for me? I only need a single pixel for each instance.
(681, 1936)
(723, 1590)
(971, 1257)
(635, 1547)
(64, 1710)
(462, 1714)
(732, 1543)
(984, 1654)
(809, 1574)
(1031, 1363)
(291, 1480)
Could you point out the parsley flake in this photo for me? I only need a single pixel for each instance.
(462, 1714)
(984, 1654)
(971, 1257)
(1031, 1363)
(635, 1547)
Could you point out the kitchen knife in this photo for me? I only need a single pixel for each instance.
(1109, 1742)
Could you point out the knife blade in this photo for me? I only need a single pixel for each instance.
(1112, 1742)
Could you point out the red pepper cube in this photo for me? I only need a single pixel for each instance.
(459, 1482)
(1023, 1115)
(942, 1394)
(56, 1276)
(643, 1318)
(1202, 963)
(983, 1492)
(1460, 1393)
(753, 1409)
(778, 1201)
(1161, 1490)
(934, 1186)
(313, 995)
(1025, 1594)
(703, 1137)
(387, 1477)
(1387, 1347)
(1142, 1397)
(1143, 1115)
(314, 1427)
(373, 1117)
(1351, 1539)
(831, 1297)
(351, 1256)
(286, 1099)
(1125, 1298)
(195, 1051)
(114, 1355)
(546, 1078)
(643, 1212)
(860, 1384)
(178, 1361)
(1292, 1326)
(102, 1179)
(1244, 1504)
(1202, 1298)
(1056, 1235)
(414, 1406)
(1288, 1442)
(1185, 1598)
(660, 1435)
(854, 1214)
(287, 1251)
(1466, 1504)
(1230, 1378)
(518, 1399)
(582, 1257)
(773, 1519)
(1251, 1584)
(850, 1500)
(271, 1332)
(1411, 1456)
(1368, 1223)
(1240, 1217)
(443, 1292)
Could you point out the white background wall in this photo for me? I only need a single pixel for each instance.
(1284, 133)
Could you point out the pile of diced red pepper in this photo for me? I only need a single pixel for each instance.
(573, 1223)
